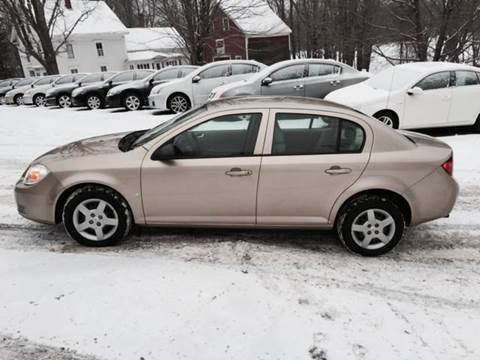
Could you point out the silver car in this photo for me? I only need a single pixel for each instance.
(301, 77)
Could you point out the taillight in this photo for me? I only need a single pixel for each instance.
(448, 165)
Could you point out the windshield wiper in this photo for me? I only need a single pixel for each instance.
(125, 143)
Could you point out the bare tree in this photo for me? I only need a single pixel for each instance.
(37, 22)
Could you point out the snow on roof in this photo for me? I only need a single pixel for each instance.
(150, 55)
(254, 18)
(144, 39)
(85, 17)
(428, 66)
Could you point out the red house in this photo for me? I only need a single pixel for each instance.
(247, 29)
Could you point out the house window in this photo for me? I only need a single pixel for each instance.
(70, 53)
(238, 57)
(28, 58)
(103, 68)
(220, 46)
(74, 71)
(99, 46)
(32, 73)
(225, 23)
(132, 67)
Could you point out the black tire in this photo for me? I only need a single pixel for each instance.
(132, 97)
(95, 102)
(64, 101)
(18, 99)
(39, 100)
(178, 98)
(354, 211)
(390, 116)
(476, 126)
(115, 202)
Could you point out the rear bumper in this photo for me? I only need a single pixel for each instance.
(433, 197)
(79, 101)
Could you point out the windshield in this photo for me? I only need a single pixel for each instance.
(4, 83)
(393, 78)
(24, 82)
(167, 125)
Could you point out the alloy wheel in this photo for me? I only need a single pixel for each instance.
(373, 229)
(94, 102)
(19, 100)
(386, 120)
(40, 100)
(178, 104)
(95, 219)
(132, 102)
(64, 101)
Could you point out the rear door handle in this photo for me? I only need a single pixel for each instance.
(238, 172)
(335, 82)
(337, 170)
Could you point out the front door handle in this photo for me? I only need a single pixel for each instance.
(335, 82)
(298, 87)
(238, 172)
(337, 170)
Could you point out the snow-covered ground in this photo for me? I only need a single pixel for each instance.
(224, 294)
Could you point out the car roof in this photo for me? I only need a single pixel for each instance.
(290, 102)
(432, 66)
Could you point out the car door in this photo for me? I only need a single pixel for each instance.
(463, 110)
(208, 80)
(322, 78)
(288, 80)
(213, 176)
(311, 158)
(431, 106)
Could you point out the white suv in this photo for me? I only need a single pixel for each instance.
(193, 90)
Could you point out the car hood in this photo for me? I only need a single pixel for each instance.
(237, 86)
(64, 87)
(39, 88)
(92, 86)
(357, 95)
(130, 85)
(99, 145)
(19, 90)
(169, 83)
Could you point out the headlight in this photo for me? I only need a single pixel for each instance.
(35, 174)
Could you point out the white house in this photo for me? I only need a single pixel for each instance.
(101, 42)
(154, 48)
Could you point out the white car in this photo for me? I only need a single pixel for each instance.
(418, 95)
(36, 95)
(193, 90)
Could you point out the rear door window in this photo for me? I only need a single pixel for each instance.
(303, 134)
(216, 72)
(466, 78)
(323, 70)
(241, 69)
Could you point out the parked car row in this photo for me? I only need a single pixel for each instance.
(407, 96)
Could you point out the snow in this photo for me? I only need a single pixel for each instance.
(143, 39)
(254, 18)
(150, 55)
(100, 18)
(231, 294)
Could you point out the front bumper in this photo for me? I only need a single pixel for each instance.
(9, 100)
(157, 101)
(37, 202)
(114, 101)
(51, 101)
(79, 100)
(28, 99)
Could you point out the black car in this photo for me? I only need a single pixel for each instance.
(93, 96)
(134, 95)
(61, 94)
(5, 86)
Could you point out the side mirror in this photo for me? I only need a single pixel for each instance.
(196, 79)
(415, 91)
(110, 82)
(79, 84)
(166, 152)
(267, 81)
(151, 81)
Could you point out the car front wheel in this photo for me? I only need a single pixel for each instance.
(97, 216)
(370, 225)
(39, 100)
(132, 102)
(94, 102)
(178, 103)
(64, 101)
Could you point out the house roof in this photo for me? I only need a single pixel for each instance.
(144, 39)
(86, 17)
(254, 18)
(150, 55)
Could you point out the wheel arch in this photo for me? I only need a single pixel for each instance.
(394, 196)
(65, 194)
(180, 93)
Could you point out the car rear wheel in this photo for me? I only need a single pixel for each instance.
(97, 216)
(64, 101)
(178, 103)
(39, 100)
(132, 102)
(388, 119)
(94, 102)
(18, 99)
(370, 225)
